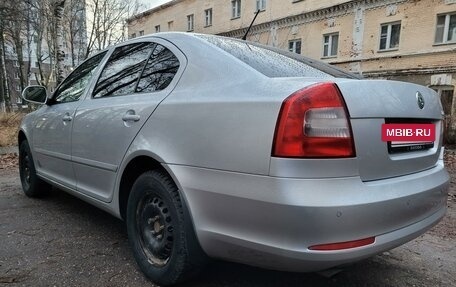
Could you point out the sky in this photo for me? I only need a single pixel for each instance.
(152, 3)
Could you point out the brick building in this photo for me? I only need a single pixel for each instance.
(406, 40)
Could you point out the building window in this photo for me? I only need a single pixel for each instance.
(170, 25)
(16, 75)
(235, 9)
(16, 63)
(446, 29)
(157, 29)
(141, 33)
(190, 22)
(133, 35)
(208, 17)
(295, 46)
(18, 88)
(330, 45)
(261, 5)
(389, 36)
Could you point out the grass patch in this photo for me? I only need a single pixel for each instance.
(9, 127)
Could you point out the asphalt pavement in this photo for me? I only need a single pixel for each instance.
(62, 241)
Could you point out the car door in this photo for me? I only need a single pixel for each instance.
(135, 79)
(52, 130)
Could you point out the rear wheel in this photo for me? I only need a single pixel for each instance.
(160, 231)
(31, 184)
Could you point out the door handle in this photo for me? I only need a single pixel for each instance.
(131, 116)
(67, 118)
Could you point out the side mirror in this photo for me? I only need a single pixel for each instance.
(35, 94)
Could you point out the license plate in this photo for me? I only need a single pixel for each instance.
(395, 147)
(408, 137)
(419, 133)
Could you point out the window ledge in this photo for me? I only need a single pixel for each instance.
(261, 10)
(208, 26)
(190, 30)
(444, 44)
(235, 18)
(328, 57)
(387, 50)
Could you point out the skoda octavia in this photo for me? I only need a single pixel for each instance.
(210, 147)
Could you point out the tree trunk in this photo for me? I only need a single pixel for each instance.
(59, 46)
(6, 103)
(2, 86)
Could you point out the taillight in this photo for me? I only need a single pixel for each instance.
(313, 123)
(343, 245)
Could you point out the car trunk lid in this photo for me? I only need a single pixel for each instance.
(370, 104)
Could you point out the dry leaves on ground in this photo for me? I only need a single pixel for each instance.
(450, 158)
(9, 160)
(9, 127)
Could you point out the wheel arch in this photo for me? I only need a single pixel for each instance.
(21, 137)
(136, 166)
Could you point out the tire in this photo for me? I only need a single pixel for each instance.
(160, 231)
(32, 185)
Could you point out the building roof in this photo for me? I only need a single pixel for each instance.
(153, 10)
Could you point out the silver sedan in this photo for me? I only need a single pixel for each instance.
(210, 147)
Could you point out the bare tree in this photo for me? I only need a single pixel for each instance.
(8, 15)
(107, 22)
(59, 6)
(75, 30)
(42, 33)
(35, 35)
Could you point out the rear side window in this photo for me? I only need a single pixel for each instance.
(275, 63)
(121, 73)
(159, 71)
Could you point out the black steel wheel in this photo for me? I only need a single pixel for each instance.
(31, 184)
(160, 231)
(155, 227)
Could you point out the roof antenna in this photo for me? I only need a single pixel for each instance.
(248, 30)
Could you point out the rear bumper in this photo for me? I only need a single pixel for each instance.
(270, 221)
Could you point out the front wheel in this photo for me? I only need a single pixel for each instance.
(32, 185)
(160, 231)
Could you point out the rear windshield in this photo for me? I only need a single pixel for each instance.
(275, 63)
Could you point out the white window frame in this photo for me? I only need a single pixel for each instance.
(157, 28)
(18, 88)
(16, 63)
(235, 9)
(208, 17)
(330, 44)
(294, 45)
(388, 36)
(16, 75)
(446, 29)
(260, 5)
(190, 22)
